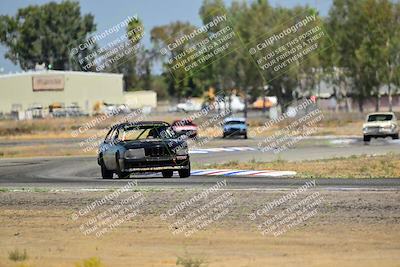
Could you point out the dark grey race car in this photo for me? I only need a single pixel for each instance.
(148, 146)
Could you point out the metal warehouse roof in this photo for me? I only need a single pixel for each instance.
(29, 73)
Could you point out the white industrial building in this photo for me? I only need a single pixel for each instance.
(86, 90)
(140, 99)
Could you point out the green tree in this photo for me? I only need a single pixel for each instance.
(220, 73)
(364, 33)
(45, 34)
(132, 64)
(180, 84)
(392, 54)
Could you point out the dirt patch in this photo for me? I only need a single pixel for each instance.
(350, 229)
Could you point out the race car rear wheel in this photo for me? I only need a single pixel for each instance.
(167, 174)
(105, 174)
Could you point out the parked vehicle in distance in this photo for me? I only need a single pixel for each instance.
(235, 127)
(236, 104)
(69, 111)
(380, 125)
(188, 106)
(149, 146)
(267, 102)
(185, 127)
(112, 110)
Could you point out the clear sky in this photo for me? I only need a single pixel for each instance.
(152, 12)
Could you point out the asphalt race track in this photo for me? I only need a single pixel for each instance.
(77, 173)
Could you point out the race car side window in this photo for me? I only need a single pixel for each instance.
(110, 136)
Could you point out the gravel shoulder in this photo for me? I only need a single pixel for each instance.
(350, 228)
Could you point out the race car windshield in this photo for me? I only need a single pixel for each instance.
(381, 117)
(234, 122)
(144, 132)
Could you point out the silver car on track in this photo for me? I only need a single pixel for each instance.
(380, 125)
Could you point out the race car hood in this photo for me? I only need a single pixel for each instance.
(240, 126)
(172, 143)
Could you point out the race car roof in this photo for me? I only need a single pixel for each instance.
(143, 123)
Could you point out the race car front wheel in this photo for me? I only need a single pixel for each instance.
(105, 174)
(121, 174)
(184, 173)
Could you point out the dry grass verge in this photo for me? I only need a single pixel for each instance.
(333, 124)
(365, 166)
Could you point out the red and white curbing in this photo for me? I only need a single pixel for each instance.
(221, 149)
(264, 173)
